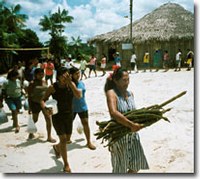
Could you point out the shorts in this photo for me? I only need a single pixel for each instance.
(92, 67)
(14, 103)
(82, 115)
(133, 65)
(62, 123)
(35, 107)
(49, 77)
(166, 63)
(82, 72)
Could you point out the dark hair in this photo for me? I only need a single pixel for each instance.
(61, 71)
(116, 75)
(73, 70)
(12, 73)
(38, 70)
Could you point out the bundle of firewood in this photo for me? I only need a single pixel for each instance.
(112, 131)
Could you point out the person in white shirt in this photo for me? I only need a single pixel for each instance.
(103, 64)
(133, 63)
(83, 65)
(69, 63)
(178, 60)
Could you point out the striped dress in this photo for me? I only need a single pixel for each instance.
(127, 152)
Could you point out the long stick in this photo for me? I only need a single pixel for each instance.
(172, 99)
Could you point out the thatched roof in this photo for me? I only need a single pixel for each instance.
(168, 22)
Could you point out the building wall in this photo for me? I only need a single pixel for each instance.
(140, 49)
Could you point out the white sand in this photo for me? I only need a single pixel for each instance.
(169, 147)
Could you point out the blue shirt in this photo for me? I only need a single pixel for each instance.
(117, 59)
(79, 104)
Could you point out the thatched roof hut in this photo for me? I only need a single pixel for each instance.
(168, 27)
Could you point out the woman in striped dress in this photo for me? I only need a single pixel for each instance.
(127, 154)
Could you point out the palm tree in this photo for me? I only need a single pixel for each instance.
(61, 17)
(11, 24)
(14, 19)
(55, 24)
(76, 45)
(47, 24)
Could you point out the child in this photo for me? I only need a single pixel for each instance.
(36, 91)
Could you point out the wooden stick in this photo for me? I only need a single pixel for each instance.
(172, 99)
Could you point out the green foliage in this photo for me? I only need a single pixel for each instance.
(11, 24)
(58, 46)
(12, 34)
(54, 23)
(29, 39)
(83, 50)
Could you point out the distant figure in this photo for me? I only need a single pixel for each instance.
(29, 71)
(103, 64)
(166, 61)
(21, 69)
(156, 60)
(2, 81)
(48, 70)
(69, 63)
(178, 60)
(189, 59)
(146, 61)
(133, 62)
(83, 66)
(92, 65)
(117, 59)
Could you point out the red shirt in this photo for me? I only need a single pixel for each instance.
(48, 67)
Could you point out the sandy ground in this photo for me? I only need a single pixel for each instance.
(169, 147)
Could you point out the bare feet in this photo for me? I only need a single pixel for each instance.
(91, 146)
(51, 140)
(66, 169)
(17, 129)
(69, 142)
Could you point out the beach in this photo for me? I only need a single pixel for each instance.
(168, 146)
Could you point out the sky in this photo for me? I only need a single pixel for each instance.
(91, 17)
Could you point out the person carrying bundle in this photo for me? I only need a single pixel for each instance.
(127, 154)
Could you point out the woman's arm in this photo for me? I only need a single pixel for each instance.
(118, 116)
(76, 92)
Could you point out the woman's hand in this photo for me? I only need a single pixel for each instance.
(67, 78)
(48, 112)
(136, 127)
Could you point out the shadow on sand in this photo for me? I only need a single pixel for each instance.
(58, 168)
(10, 128)
(31, 142)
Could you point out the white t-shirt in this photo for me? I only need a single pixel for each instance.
(68, 65)
(178, 56)
(133, 58)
